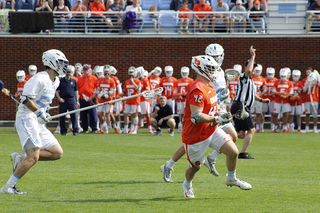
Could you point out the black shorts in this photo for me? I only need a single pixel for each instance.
(164, 122)
(239, 124)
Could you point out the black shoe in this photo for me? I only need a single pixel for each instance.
(63, 134)
(75, 134)
(245, 156)
(158, 132)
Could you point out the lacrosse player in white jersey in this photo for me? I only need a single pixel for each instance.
(36, 140)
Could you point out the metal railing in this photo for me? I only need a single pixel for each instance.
(157, 23)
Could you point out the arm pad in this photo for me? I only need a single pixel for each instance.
(195, 117)
(138, 89)
(24, 99)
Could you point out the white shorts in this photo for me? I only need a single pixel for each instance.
(145, 107)
(296, 110)
(154, 101)
(171, 102)
(266, 107)
(257, 108)
(106, 108)
(30, 130)
(195, 152)
(181, 106)
(226, 126)
(131, 109)
(277, 108)
(307, 106)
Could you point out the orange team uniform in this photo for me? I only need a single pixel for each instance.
(168, 86)
(233, 87)
(181, 15)
(86, 85)
(155, 81)
(269, 87)
(97, 7)
(130, 90)
(282, 86)
(20, 87)
(205, 7)
(258, 81)
(314, 92)
(105, 86)
(27, 77)
(182, 87)
(297, 86)
(75, 78)
(144, 84)
(204, 96)
(117, 82)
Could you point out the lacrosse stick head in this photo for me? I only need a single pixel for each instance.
(153, 93)
(242, 114)
(312, 78)
(1, 85)
(232, 74)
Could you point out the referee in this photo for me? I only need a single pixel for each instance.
(68, 97)
(246, 93)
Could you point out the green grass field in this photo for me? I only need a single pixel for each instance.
(121, 173)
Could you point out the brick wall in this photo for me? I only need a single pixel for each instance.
(19, 52)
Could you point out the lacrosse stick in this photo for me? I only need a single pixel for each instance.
(145, 94)
(7, 93)
(241, 114)
(231, 75)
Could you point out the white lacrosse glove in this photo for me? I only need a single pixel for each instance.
(106, 96)
(225, 94)
(42, 116)
(223, 118)
(100, 94)
(227, 101)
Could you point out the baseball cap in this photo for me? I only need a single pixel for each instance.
(86, 67)
(238, 2)
(247, 62)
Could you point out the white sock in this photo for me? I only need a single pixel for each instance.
(131, 127)
(136, 127)
(314, 127)
(58, 128)
(213, 155)
(232, 174)
(70, 126)
(307, 128)
(187, 184)
(261, 126)
(257, 126)
(170, 163)
(13, 180)
(276, 127)
(118, 124)
(272, 126)
(125, 127)
(299, 127)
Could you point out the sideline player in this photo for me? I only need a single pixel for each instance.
(118, 94)
(200, 126)
(36, 140)
(168, 83)
(32, 71)
(155, 81)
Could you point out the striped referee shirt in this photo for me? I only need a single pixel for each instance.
(246, 90)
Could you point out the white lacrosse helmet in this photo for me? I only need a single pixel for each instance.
(21, 75)
(157, 71)
(113, 70)
(258, 70)
(32, 70)
(205, 66)
(312, 78)
(216, 51)
(168, 71)
(288, 72)
(284, 74)
(99, 72)
(139, 71)
(145, 74)
(106, 67)
(185, 72)
(56, 60)
(237, 67)
(78, 65)
(70, 68)
(132, 71)
(296, 75)
(270, 72)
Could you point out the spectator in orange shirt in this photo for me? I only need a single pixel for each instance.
(86, 86)
(184, 17)
(98, 18)
(78, 19)
(201, 21)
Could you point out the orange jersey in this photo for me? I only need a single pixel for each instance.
(144, 84)
(182, 15)
(168, 86)
(314, 91)
(297, 86)
(130, 90)
(183, 86)
(205, 7)
(105, 86)
(116, 80)
(258, 82)
(269, 88)
(233, 87)
(20, 87)
(86, 85)
(75, 78)
(282, 86)
(204, 96)
(155, 81)
(27, 77)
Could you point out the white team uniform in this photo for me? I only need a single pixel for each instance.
(41, 90)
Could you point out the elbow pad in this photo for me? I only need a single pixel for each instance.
(24, 99)
(138, 89)
(195, 117)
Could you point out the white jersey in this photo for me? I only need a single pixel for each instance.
(220, 83)
(39, 89)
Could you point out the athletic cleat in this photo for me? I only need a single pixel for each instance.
(16, 159)
(166, 173)
(245, 155)
(187, 192)
(158, 133)
(210, 164)
(133, 132)
(55, 131)
(305, 131)
(284, 131)
(299, 131)
(9, 189)
(100, 132)
(259, 131)
(237, 182)
(71, 129)
(150, 131)
(116, 130)
(125, 132)
(171, 133)
(315, 131)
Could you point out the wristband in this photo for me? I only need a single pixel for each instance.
(38, 112)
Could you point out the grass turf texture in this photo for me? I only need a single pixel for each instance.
(121, 173)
